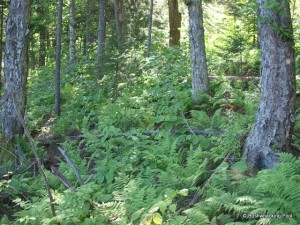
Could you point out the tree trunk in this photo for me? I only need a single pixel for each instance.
(43, 35)
(174, 22)
(150, 28)
(198, 54)
(119, 20)
(276, 114)
(101, 32)
(15, 67)
(1, 42)
(87, 31)
(58, 57)
(72, 31)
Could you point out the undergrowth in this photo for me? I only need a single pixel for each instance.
(151, 178)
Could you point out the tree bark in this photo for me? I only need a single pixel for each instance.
(72, 31)
(198, 54)
(119, 21)
(58, 56)
(43, 35)
(87, 31)
(15, 67)
(150, 28)
(276, 114)
(101, 31)
(174, 22)
(1, 42)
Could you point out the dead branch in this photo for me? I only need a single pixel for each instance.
(89, 178)
(256, 79)
(62, 178)
(197, 196)
(189, 132)
(153, 132)
(70, 162)
(27, 133)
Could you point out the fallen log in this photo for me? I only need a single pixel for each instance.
(256, 79)
(246, 78)
(188, 132)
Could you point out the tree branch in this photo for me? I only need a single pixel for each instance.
(27, 133)
(70, 162)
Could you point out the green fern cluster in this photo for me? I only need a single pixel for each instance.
(271, 197)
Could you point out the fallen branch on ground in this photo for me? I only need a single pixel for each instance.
(70, 162)
(196, 197)
(153, 132)
(256, 79)
(62, 178)
(38, 160)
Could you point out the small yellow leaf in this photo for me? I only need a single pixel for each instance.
(148, 222)
(157, 219)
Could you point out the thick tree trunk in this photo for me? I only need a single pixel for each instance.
(276, 114)
(58, 56)
(101, 31)
(198, 54)
(87, 31)
(15, 67)
(174, 22)
(150, 28)
(43, 35)
(72, 31)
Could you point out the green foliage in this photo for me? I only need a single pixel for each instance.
(140, 178)
(254, 200)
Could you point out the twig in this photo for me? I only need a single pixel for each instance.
(188, 125)
(63, 152)
(14, 189)
(27, 133)
(89, 178)
(196, 197)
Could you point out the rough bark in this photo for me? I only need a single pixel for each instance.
(58, 56)
(87, 30)
(15, 67)
(101, 31)
(150, 28)
(174, 22)
(72, 31)
(276, 114)
(198, 54)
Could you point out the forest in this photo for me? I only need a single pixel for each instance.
(150, 112)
